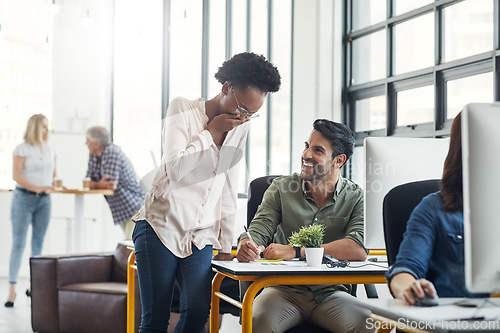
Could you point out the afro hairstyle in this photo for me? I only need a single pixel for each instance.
(250, 69)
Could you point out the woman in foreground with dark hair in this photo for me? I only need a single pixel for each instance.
(191, 208)
(431, 256)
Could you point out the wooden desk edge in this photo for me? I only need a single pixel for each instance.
(79, 191)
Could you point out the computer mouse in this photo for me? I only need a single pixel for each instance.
(427, 300)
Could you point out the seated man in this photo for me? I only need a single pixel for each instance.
(319, 195)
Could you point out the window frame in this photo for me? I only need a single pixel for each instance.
(438, 74)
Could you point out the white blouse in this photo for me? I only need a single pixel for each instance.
(193, 198)
(39, 164)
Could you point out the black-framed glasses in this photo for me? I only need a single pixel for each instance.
(241, 110)
(342, 263)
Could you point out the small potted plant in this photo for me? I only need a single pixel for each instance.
(310, 238)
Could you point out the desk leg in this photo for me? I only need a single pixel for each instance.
(247, 309)
(78, 226)
(247, 304)
(214, 309)
(69, 234)
(131, 293)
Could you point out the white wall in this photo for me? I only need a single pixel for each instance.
(316, 68)
(82, 66)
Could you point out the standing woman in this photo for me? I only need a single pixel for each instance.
(191, 208)
(33, 170)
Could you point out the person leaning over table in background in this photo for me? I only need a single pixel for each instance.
(431, 255)
(319, 195)
(33, 170)
(109, 168)
(191, 208)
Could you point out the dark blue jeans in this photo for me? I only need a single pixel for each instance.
(158, 268)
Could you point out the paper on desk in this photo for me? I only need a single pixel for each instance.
(292, 263)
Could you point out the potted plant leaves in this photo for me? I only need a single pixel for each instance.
(310, 237)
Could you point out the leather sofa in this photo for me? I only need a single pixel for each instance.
(81, 292)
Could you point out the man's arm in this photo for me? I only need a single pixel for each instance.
(263, 226)
(345, 249)
(104, 183)
(111, 164)
(351, 246)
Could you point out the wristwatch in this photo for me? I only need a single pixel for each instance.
(297, 251)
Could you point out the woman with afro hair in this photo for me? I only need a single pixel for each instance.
(191, 207)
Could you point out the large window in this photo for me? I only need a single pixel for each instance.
(137, 82)
(280, 118)
(206, 33)
(413, 65)
(25, 73)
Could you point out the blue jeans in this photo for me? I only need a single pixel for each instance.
(27, 209)
(158, 268)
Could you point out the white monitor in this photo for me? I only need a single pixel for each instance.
(390, 162)
(481, 186)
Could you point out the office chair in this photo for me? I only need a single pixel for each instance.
(256, 191)
(397, 207)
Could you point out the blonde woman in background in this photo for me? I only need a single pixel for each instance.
(33, 170)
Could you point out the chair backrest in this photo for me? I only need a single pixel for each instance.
(256, 191)
(397, 207)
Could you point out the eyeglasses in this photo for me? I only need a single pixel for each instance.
(242, 111)
(333, 264)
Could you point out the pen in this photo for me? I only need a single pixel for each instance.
(249, 236)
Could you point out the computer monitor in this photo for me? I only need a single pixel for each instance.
(481, 185)
(389, 162)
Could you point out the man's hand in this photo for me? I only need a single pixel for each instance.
(106, 183)
(279, 251)
(222, 124)
(248, 251)
(223, 256)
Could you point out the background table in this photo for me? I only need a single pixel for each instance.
(75, 234)
(263, 274)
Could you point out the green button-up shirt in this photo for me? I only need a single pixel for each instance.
(287, 206)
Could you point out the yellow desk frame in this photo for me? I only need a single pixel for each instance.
(261, 281)
(131, 268)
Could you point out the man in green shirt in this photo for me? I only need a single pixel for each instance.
(319, 195)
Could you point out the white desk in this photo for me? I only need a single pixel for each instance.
(287, 272)
(447, 317)
(75, 233)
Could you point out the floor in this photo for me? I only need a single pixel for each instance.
(18, 318)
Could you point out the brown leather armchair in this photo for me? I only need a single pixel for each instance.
(81, 292)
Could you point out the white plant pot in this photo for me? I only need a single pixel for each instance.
(314, 256)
